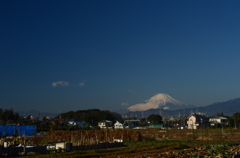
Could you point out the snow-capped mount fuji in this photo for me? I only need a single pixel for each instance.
(160, 101)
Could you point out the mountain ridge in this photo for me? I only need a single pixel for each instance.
(159, 101)
(228, 108)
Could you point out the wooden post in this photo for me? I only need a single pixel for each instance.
(24, 145)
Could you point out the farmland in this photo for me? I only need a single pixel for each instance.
(150, 142)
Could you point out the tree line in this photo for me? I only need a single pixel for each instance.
(9, 116)
(91, 117)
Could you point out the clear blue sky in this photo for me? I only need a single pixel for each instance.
(76, 55)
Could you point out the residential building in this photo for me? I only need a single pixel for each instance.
(120, 125)
(75, 122)
(105, 124)
(132, 123)
(196, 121)
(218, 120)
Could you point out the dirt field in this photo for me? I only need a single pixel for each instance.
(153, 143)
(83, 136)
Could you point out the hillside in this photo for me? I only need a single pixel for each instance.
(92, 115)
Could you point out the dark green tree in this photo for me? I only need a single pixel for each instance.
(92, 116)
(235, 119)
(154, 119)
(9, 116)
(143, 122)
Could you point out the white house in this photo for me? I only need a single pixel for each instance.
(118, 125)
(105, 124)
(75, 122)
(217, 120)
(196, 121)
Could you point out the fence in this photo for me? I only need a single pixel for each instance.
(17, 130)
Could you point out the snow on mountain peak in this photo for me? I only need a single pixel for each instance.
(158, 101)
(163, 99)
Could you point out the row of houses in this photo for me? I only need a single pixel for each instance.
(194, 121)
(106, 124)
(199, 121)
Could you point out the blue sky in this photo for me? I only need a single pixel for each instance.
(75, 55)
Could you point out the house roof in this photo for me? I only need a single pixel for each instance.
(199, 116)
(218, 117)
(122, 122)
(105, 121)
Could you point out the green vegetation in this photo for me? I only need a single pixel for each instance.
(9, 117)
(91, 116)
(154, 119)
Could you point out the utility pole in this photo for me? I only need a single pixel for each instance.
(38, 115)
(238, 119)
(179, 117)
(222, 128)
(184, 119)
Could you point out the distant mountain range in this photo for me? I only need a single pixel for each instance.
(160, 101)
(228, 108)
(164, 105)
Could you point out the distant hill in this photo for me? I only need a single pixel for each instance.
(92, 116)
(227, 108)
